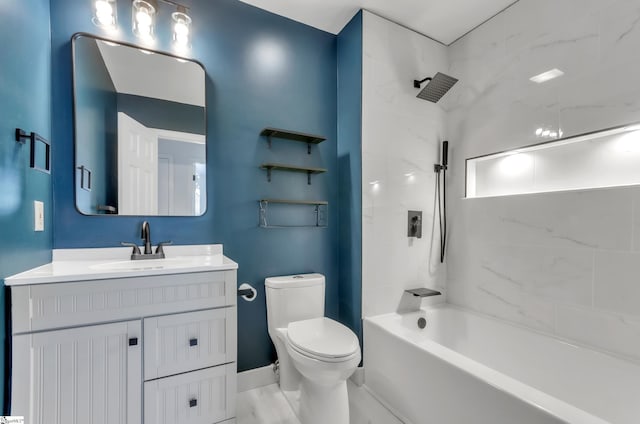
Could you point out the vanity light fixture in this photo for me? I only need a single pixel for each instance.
(181, 27)
(105, 14)
(144, 18)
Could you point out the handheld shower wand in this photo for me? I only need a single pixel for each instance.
(442, 196)
(444, 165)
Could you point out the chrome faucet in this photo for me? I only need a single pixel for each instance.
(145, 234)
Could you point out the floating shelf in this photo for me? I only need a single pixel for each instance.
(291, 168)
(319, 211)
(292, 136)
(296, 202)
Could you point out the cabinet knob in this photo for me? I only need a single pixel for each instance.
(193, 342)
(133, 341)
(193, 403)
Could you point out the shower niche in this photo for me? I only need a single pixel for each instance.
(571, 163)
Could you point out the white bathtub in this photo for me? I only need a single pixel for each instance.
(464, 368)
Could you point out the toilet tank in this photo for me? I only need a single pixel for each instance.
(294, 298)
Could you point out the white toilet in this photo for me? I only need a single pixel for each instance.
(316, 354)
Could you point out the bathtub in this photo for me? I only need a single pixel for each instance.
(465, 368)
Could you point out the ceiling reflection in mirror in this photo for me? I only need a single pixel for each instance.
(140, 131)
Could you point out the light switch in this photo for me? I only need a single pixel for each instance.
(38, 209)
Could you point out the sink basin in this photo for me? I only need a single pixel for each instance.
(167, 263)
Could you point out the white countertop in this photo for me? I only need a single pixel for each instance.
(98, 264)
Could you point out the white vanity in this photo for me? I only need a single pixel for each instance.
(98, 338)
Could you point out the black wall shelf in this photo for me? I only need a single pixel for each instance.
(291, 168)
(292, 136)
(319, 211)
(296, 202)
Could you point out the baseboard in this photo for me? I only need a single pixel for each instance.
(257, 377)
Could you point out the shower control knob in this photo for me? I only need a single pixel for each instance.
(414, 224)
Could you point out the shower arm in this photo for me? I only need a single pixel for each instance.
(417, 84)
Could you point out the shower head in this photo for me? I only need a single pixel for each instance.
(436, 87)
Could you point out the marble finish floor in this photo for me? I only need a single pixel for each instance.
(267, 405)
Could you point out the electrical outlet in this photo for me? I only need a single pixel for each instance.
(38, 213)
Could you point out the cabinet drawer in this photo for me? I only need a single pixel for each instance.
(174, 344)
(200, 397)
(50, 306)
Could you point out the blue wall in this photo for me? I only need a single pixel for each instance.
(350, 173)
(97, 127)
(263, 70)
(25, 100)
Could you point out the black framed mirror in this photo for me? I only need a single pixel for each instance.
(140, 130)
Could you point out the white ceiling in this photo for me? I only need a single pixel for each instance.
(153, 75)
(442, 20)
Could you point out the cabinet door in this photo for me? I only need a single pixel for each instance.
(200, 397)
(174, 344)
(88, 375)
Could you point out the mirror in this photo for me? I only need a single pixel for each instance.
(140, 131)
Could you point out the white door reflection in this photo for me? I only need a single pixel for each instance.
(160, 172)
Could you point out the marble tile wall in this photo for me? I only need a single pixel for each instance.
(566, 262)
(400, 143)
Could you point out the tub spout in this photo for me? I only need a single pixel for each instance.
(422, 292)
(412, 298)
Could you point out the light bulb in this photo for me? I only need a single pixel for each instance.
(144, 14)
(181, 27)
(144, 31)
(103, 6)
(104, 18)
(182, 40)
(143, 18)
(104, 13)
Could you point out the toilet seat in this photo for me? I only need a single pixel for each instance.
(325, 359)
(323, 339)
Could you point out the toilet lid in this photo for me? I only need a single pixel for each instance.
(323, 337)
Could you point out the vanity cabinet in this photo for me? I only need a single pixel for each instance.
(150, 349)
